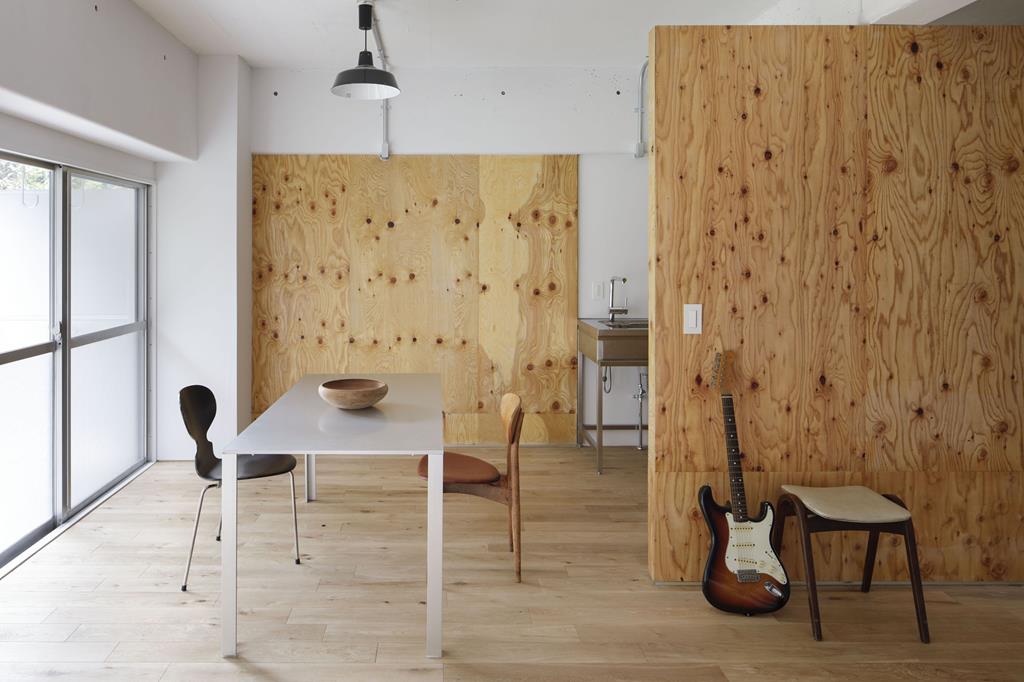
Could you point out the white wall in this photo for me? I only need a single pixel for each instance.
(203, 264)
(812, 12)
(613, 242)
(915, 12)
(101, 70)
(452, 111)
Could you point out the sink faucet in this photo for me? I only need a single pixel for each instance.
(612, 309)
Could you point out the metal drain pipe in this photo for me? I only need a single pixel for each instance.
(640, 396)
(641, 147)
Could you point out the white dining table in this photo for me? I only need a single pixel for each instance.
(408, 421)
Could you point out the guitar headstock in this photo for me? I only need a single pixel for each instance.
(722, 372)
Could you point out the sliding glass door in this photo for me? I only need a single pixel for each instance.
(72, 342)
(107, 338)
(27, 352)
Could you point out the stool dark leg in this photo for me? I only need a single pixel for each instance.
(915, 580)
(812, 585)
(869, 560)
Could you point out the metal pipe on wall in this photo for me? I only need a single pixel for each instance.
(641, 147)
(385, 106)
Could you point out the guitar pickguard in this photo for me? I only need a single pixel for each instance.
(750, 548)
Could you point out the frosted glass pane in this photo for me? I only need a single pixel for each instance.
(26, 492)
(24, 255)
(103, 255)
(106, 413)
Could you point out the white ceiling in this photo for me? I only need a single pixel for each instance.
(439, 33)
(991, 12)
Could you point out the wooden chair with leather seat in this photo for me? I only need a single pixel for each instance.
(473, 476)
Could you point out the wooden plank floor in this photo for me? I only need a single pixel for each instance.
(103, 601)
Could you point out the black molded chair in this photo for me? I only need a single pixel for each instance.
(198, 409)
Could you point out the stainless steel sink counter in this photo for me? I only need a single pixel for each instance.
(606, 343)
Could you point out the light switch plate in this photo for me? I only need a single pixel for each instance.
(693, 318)
(597, 290)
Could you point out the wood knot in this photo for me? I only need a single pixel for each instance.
(1012, 165)
(699, 380)
(391, 223)
(767, 154)
(914, 47)
(889, 165)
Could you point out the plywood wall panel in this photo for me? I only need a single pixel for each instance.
(369, 266)
(945, 225)
(847, 205)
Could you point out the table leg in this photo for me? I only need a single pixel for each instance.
(599, 445)
(310, 478)
(581, 385)
(435, 550)
(229, 555)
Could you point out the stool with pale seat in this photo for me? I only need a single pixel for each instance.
(473, 476)
(840, 508)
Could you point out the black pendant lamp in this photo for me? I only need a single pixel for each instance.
(365, 81)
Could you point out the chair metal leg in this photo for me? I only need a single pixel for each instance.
(295, 517)
(869, 560)
(220, 525)
(195, 531)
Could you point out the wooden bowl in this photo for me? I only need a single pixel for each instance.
(353, 394)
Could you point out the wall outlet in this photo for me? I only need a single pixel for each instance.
(693, 318)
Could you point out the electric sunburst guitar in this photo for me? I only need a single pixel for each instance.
(743, 573)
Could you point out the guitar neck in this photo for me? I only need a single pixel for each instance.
(732, 448)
